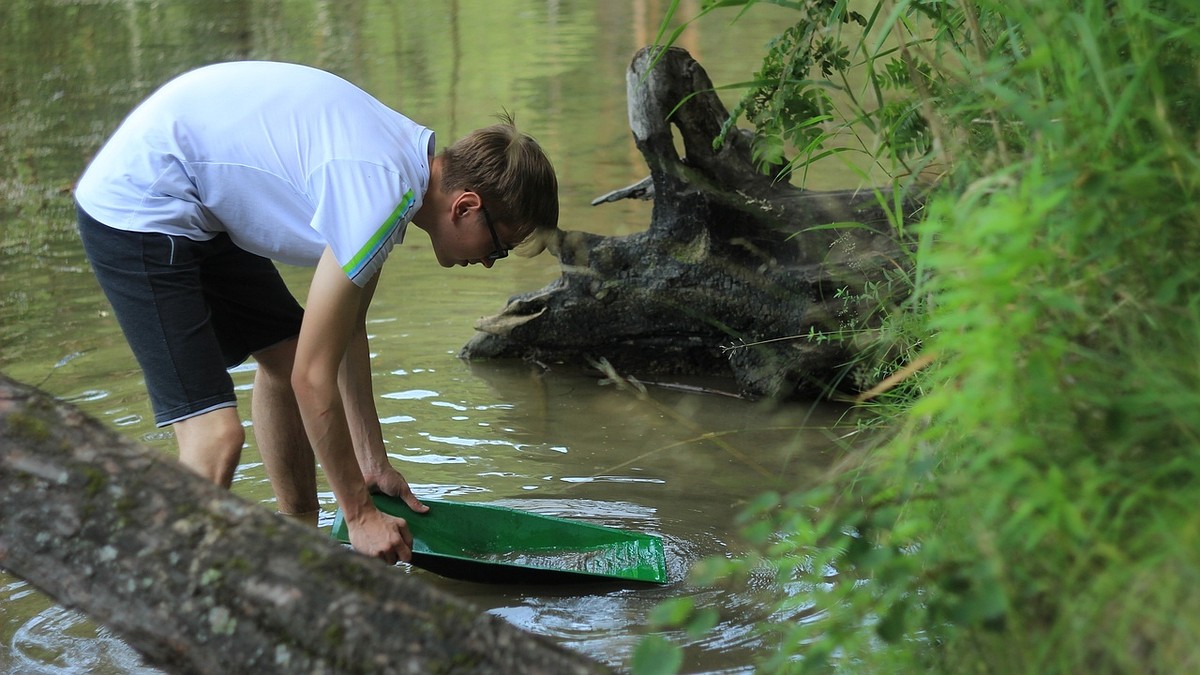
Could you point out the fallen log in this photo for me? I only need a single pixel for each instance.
(738, 274)
(201, 581)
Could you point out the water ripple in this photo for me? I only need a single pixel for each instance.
(59, 641)
(410, 395)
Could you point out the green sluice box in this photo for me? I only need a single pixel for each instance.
(495, 544)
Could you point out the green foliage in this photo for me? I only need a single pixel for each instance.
(1031, 507)
(656, 656)
(784, 104)
(805, 99)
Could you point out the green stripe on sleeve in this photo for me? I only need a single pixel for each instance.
(368, 249)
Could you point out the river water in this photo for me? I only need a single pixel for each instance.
(676, 463)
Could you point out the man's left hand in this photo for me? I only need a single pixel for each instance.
(390, 482)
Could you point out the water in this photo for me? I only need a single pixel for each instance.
(675, 464)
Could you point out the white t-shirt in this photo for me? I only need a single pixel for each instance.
(285, 158)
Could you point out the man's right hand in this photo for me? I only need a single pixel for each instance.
(381, 536)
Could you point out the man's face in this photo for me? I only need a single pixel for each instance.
(468, 236)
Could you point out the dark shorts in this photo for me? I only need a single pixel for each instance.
(190, 310)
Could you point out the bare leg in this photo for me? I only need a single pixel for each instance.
(282, 441)
(211, 444)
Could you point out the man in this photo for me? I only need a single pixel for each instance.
(232, 166)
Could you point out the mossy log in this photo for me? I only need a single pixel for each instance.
(201, 581)
(738, 274)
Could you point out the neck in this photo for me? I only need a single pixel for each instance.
(433, 199)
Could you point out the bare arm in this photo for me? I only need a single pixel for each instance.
(354, 380)
(330, 317)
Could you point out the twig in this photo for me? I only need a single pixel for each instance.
(897, 377)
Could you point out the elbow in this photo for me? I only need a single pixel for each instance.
(302, 383)
(312, 388)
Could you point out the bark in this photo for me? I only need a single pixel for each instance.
(201, 581)
(730, 278)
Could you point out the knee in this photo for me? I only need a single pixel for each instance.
(224, 449)
(211, 445)
(228, 440)
(225, 453)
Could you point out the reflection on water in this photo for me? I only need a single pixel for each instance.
(675, 464)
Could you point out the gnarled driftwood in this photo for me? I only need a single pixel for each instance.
(730, 278)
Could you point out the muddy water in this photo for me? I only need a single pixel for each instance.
(674, 463)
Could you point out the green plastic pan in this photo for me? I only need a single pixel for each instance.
(494, 544)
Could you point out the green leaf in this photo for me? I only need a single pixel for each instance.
(711, 570)
(672, 612)
(704, 621)
(655, 655)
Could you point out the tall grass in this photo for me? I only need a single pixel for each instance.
(1033, 508)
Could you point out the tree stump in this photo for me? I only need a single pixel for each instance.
(201, 581)
(730, 278)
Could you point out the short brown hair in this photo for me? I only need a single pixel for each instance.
(512, 175)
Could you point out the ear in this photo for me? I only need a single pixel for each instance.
(464, 204)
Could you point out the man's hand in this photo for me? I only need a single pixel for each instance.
(381, 536)
(390, 482)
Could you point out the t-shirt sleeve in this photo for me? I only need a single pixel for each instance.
(362, 211)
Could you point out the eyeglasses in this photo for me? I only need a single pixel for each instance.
(501, 251)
